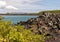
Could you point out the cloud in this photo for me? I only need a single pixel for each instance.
(5, 5)
(29, 1)
(2, 4)
(21, 5)
(11, 7)
(22, 1)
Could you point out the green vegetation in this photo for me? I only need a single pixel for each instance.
(17, 33)
(51, 11)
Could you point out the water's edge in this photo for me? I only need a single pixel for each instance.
(15, 19)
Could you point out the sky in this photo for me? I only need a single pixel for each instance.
(28, 5)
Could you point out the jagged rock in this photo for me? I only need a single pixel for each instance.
(45, 23)
(53, 39)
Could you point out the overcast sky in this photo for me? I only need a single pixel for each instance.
(28, 5)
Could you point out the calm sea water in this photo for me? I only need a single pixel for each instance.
(16, 19)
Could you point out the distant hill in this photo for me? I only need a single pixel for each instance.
(50, 11)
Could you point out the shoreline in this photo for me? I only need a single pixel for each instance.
(19, 14)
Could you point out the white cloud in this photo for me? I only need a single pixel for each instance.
(2, 4)
(22, 5)
(11, 7)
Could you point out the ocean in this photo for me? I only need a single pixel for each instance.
(16, 19)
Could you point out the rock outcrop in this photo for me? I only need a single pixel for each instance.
(48, 24)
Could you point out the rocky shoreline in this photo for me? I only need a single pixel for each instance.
(48, 24)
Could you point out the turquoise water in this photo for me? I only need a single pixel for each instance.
(16, 19)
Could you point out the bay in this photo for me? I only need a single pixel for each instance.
(16, 19)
